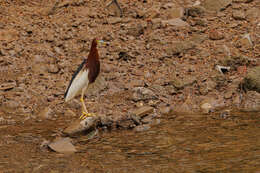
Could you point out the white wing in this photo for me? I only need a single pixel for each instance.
(77, 84)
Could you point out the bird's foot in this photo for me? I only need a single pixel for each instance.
(85, 115)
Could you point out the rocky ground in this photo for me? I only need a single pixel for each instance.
(163, 57)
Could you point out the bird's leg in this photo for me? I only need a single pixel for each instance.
(85, 113)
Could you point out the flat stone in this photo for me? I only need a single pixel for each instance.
(114, 20)
(79, 126)
(45, 113)
(142, 128)
(62, 145)
(239, 15)
(216, 5)
(179, 47)
(215, 34)
(142, 93)
(175, 22)
(143, 111)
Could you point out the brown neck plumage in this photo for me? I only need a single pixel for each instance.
(93, 54)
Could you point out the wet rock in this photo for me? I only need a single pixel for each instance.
(179, 47)
(209, 104)
(79, 126)
(106, 121)
(186, 107)
(215, 34)
(252, 80)
(206, 107)
(251, 102)
(147, 119)
(143, 111)
(45, 113)
(166, 110)
(216, 5)
(175, 22)
(142, 93)
(126, 124)
(62, 145)
(182, 83)
(142, 128)
(239, 15)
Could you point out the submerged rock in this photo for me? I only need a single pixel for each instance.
(62, 145)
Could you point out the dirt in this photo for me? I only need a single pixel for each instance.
(152, 59)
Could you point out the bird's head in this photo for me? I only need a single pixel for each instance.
(97, 42)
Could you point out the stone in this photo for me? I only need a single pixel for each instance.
(53, 68)
(196, 11)
(45, 113)
(79, 126)
(143, 111)
(174, 13)
(252, 79)
(179, 47)
(175, 22)
(142, 128)
(135, 30)
(228, 94)
(206, 107)
(253, 14)
(114, 20)
(251, 102)
(8, 35)
(245, 42)
(114, 8)
(7, 85)
(182, 83)
(142, 93)
(239, 14)
(215, 34)
(62, 145)
(216, 5)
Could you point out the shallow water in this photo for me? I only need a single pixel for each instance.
(187, 143)
(194, 143)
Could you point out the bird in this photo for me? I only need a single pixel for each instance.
(84, 76)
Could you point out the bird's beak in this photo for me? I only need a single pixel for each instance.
(102, 42)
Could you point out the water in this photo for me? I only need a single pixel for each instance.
(187, 143)
(194, 143)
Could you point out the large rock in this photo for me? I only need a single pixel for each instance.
(216, 5)
(252, 80)
(179, 47)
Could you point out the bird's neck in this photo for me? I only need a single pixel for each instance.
(93, 54)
